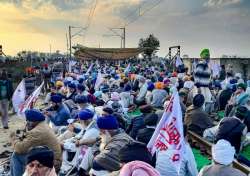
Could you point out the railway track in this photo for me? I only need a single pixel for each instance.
(208, 146)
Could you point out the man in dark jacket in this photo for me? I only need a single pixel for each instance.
(59, 113)
(233, 129)
(196, 119)
(6, 91)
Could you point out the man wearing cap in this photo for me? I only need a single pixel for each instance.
(112, 140)
(223, 155)
(40, 162)
(196, 119)
(38, 134)
(58, 113)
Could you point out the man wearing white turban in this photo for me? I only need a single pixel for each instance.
(223, 156)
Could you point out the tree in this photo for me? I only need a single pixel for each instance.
(151, 45)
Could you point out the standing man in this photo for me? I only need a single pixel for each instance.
(6, 91)
(202, 76)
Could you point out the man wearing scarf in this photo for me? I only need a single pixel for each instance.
(202, 75)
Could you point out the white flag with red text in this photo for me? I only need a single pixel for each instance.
(168, 134)
(30, 101)
(19, 95)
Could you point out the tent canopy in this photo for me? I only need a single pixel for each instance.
(85, 53)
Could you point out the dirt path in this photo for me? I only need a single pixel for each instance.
(15, 123)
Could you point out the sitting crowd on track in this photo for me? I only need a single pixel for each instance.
(102, 119)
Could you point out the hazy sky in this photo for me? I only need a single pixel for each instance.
(223, 26)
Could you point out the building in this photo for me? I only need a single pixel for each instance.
(240, 65)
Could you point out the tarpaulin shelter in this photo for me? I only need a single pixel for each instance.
(85, 53)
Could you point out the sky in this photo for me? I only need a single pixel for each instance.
(223, 26)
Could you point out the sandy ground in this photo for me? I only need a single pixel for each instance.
(15, 123)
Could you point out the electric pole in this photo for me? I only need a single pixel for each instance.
(122, 36)
(69, 42)
(79, 33)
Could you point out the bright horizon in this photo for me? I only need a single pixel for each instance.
(220, 25)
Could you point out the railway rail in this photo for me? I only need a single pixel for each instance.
(208, 146)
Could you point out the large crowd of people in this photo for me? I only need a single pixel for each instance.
(99, 120)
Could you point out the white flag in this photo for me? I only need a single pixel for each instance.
(98, 81)
(30, 101)
(127, 69)
(169, 132)
(178, 61)
(19, 95)
(90, 68)
(71, 64)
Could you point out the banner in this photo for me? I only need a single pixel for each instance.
(71, 64)
(127, 69)
(19, 95)
(30, 101)
(168, 134)
(178, 61)
(98, 81)
(90, 68)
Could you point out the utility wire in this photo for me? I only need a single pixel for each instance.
(90, 18)
(141, 13)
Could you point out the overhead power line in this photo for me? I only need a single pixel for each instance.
(141, 12)
(90, 18)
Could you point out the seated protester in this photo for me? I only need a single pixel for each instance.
(239, 98)
(82, 102)
(183, 100)
(233, 129)
(115, 103)
(70, 131)
(135, 151)
(91, 98)
(59, 87)
(40, 161)
(224, 97)
(188, 165)
(58, 113)
(112, 140)
(140, 98)
(126, 97)
(121, 87)
(149, 95)
(136, 160)
(106, 111)
(137, 123)
(247, 118)
(150, 121)
(80, 89)
(72, 92)
(104, 87)
(196, 119)
(159, 95)
(51, 93)
(83, 141)
(98, 98)
(38, 134)
(223, 156)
